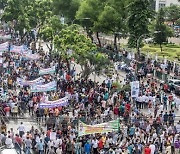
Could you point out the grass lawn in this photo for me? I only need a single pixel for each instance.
(170, 51)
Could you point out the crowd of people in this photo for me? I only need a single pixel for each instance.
(148, 123)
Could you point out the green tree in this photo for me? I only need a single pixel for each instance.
(39, 12)
(27, 14)
(161, 31)
(112, 19)
(107, 16)
(90, 9)
(139, 16)
(178, 22)
(49, 30)
(16, 15)
(3, 3)
(66, 8)
(172, 13)
(83, 50)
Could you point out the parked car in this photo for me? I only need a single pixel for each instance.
(172, 85)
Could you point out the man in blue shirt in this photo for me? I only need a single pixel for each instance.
(87, 148)
(40, 147)
(46, 140)
(132, 131)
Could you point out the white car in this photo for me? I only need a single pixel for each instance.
(148, 40)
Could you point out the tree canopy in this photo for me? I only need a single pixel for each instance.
(139, 17)
(172, 13)
(70, 43)
(66, 8)
(27, 14)
(161, 31)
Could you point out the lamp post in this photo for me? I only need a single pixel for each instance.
(80, 19)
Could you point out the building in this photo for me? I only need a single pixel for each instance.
(165, 3)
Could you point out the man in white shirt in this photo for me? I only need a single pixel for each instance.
(95, 146)
(21, 129)
(140, 101)
(57, 143)
(178, 127)
(59, 150)
(72, 136)
(50, 144)
(9, 143)
(152, 147)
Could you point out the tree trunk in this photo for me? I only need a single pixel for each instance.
(115, 42)
(50, 47)
(99, 41)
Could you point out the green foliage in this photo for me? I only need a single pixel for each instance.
(70, 39)
(169, 50)
(107, 16)
(39, 12)
(178, 22)
(149, 50)
(172, 13)
(27, 14)
(67, 8)
(83, 50)
(139, 15)
(126, 87)
(3, 3)
(89, 9)
(50, 29)
(172, 46)
(161, 31)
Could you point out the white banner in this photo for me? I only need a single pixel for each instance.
(135, 89)
(30, 83)
(52, 104)
(44, 88)
(52, 135)
(50, 70)
(4, 47)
